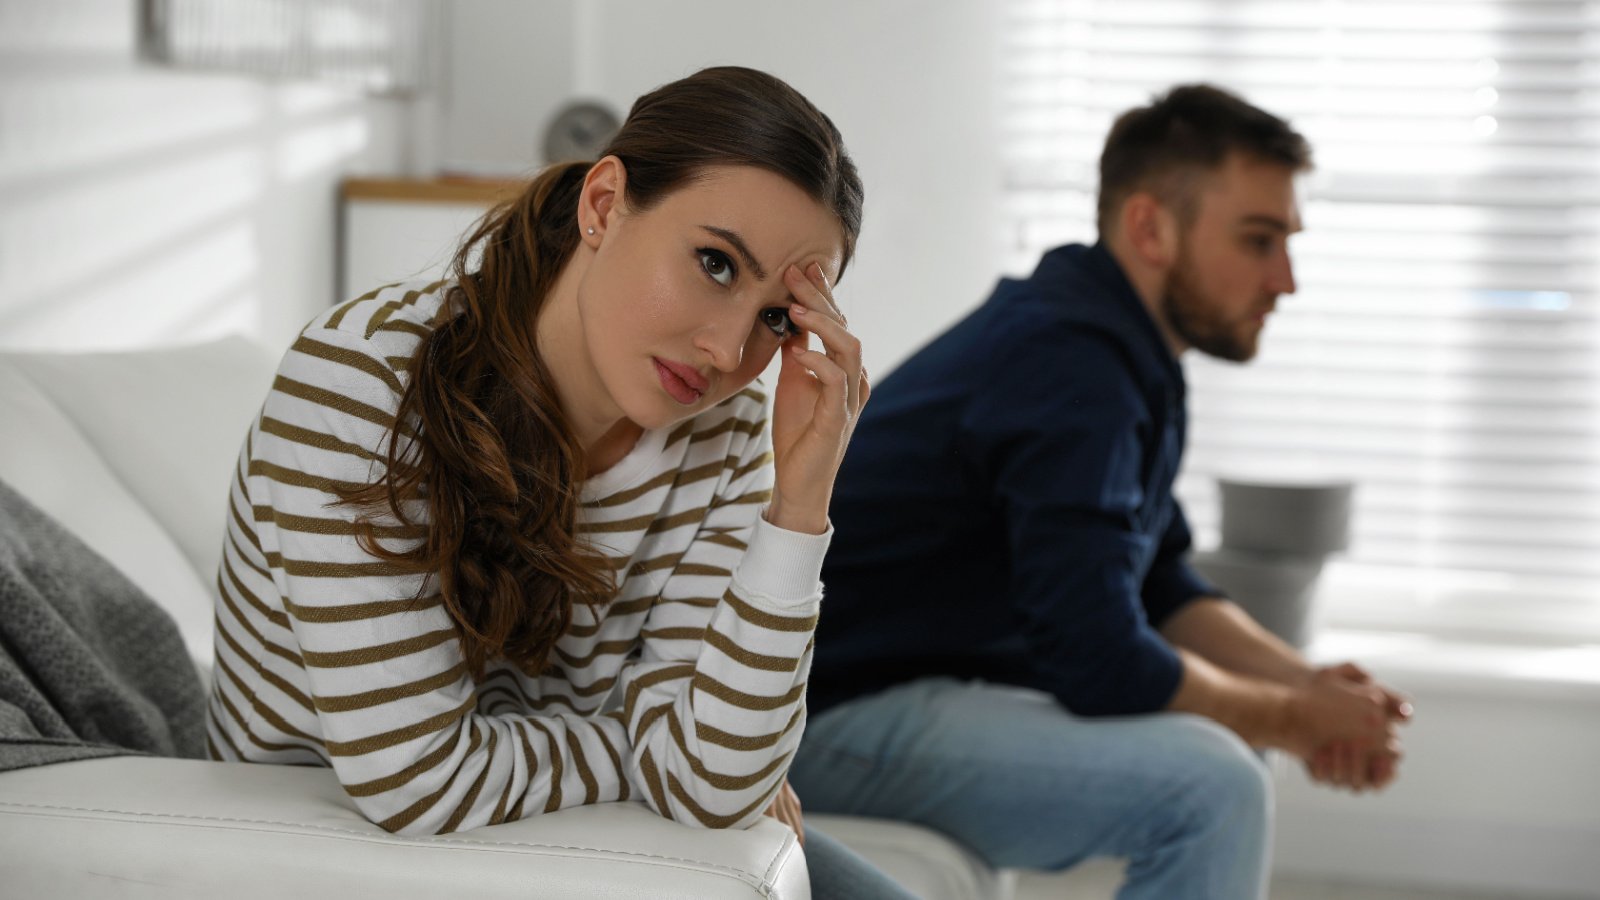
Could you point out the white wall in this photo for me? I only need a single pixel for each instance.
(141, 205)
(512, 64)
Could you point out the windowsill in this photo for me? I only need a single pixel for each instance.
(1468, 667)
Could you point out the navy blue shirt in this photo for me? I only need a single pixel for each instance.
(1005, 510)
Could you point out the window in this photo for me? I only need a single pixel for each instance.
(1444, 347)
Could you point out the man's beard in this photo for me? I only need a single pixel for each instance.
(1193, 319)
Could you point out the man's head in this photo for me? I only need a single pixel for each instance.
(1197, 203)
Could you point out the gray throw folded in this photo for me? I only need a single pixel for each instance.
(89, 665)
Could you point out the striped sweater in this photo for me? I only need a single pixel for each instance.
(686, 691)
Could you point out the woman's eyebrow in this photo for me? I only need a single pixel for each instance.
(739, 245)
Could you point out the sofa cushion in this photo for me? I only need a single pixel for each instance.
(145, 827)
(168, 422)
(48, 460)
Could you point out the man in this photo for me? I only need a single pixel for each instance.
(1014, 649)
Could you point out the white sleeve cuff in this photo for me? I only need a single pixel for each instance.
(781, 568)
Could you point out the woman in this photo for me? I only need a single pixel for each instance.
(521, 540)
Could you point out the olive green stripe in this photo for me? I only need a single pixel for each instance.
(304, 568)
(697, 602)
(702, 569)
(677, 520)
(767, 620)
(706, 817)
(344, 308)
(316, 440)
(652, 781)
(725, 540)
(240, 618)
(591, 788)
(220, 729)
(262, 710)
(760, 496)
(398, 736)
(270, 746)
(501, 806)
(244, 527)
(297, 478)
(378, 696)
(603, 648)
(673, 634)
(405, 776)
(589, 690)
(632, 493)
(267, 675)
(471, 799)
(644, 682)
(752, 465)
(412, 328)
(759, 661)
(616, 761)
(629, 607)
(232, 543)
(677, 434)
(754, 702)
(513, 686)
(393, 306)
(553, 802)
(276, 617)
(716, 736)
(337, 402)
(340, 659)
(349, 358)
(727, 425)
(422, 804)
(355, 612)
(718, 780)
(666, 561)
(334, 527)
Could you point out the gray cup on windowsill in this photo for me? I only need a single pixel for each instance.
(1275, 537)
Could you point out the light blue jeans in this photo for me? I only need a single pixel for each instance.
(1025, 784)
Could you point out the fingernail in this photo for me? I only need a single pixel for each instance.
(796, 349)
(797, 310)
(820, 274)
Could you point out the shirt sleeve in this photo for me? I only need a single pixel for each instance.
(1060, 432)
(715, 702)
(1173, 582)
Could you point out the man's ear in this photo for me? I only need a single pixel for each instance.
(1150, 229)
(600, 201)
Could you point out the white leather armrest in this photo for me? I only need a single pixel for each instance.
(140, 827)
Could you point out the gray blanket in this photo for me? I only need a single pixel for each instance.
(89, 665)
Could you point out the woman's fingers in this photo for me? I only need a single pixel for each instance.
(835, 382)
(816, 312)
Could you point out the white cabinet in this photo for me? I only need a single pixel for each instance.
(398, 229)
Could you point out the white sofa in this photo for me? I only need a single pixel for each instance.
(133, 452)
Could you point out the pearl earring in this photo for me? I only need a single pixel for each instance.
(591, 229)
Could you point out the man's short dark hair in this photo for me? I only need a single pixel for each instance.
(1191, 130)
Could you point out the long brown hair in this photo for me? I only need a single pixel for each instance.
(492, 458)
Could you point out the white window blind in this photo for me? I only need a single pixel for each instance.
(1444, 347)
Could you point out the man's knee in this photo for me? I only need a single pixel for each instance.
(1226, 777)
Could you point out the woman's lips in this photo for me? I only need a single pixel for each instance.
(684, 384)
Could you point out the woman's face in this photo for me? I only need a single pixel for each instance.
(683, 305)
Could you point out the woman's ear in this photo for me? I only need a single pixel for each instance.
(600, 202)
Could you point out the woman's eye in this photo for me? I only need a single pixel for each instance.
(777, 319)
(717, 265)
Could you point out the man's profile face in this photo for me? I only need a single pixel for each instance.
(1233, 259)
